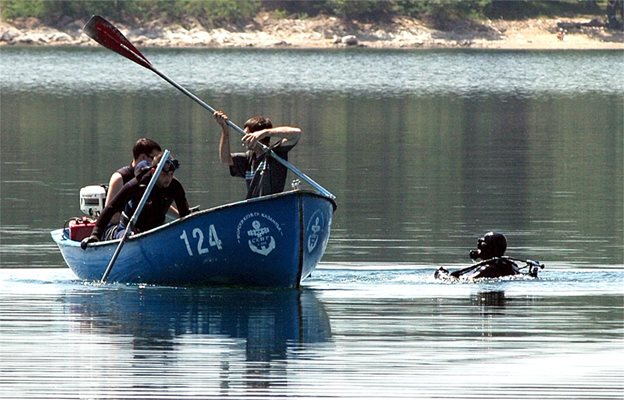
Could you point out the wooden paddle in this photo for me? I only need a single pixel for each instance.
(136, 214)
(110, 37)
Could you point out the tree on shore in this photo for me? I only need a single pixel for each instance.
(217, 13)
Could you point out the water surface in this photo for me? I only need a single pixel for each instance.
(425, 151)
(351, 332)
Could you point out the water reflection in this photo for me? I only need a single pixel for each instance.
(266, 323)
(393, 334)
(378, 73)
(489, 300)
(423, 150)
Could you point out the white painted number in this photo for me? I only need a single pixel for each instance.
(213, 240)
(186, 242)
(199, 235)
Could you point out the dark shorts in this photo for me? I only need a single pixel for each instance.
(113, 232)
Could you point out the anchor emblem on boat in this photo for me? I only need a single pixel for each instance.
(261, 242)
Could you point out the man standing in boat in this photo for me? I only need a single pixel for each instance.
(167, 190)
(262, 173)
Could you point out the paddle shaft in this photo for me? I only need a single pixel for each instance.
(110, 37)
(237, 128)
(136, 214)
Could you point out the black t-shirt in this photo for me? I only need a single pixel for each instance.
(263, 175)
(155, 209)
(127, 173)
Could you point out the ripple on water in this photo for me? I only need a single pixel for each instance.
(380, 332)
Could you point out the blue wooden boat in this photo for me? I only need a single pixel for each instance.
(271, 241)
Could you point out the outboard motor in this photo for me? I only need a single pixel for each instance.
(92, 199)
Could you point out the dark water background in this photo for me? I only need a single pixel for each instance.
(425, 151)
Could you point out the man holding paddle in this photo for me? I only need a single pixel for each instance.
(143, 149)
(262, 173)
(167, 189)
(110, 37)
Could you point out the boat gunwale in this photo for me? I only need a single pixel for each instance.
(67, 242)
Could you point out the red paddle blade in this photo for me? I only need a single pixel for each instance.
(108, 36)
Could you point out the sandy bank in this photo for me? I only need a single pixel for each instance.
(330, 32)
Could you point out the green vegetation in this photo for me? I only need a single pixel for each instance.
(208, 13)
(211, 13)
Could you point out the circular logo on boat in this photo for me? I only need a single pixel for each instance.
(259, 231)
(314, 230)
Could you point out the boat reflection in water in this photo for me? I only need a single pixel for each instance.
(174, 323)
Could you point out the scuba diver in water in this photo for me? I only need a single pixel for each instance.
(491, 250)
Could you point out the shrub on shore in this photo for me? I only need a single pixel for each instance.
(215, 13)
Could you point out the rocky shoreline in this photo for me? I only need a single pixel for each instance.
(331, 32)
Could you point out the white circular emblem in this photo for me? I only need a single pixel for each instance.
(260, 231)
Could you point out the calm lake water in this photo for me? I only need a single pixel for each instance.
(425, 151)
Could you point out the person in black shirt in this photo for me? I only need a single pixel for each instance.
(166, 190)
(144, 149)
(262, 173)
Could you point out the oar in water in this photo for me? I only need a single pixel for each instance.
(110, 37)
(136, 214)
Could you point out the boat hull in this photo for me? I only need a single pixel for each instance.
(272, 241)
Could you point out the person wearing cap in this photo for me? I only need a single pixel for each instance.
(263, 174)
(144, 149)
(166, 190)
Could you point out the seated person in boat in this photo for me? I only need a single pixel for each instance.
(491, 250)
(144, 149)
(166, 190)
(262, 173)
